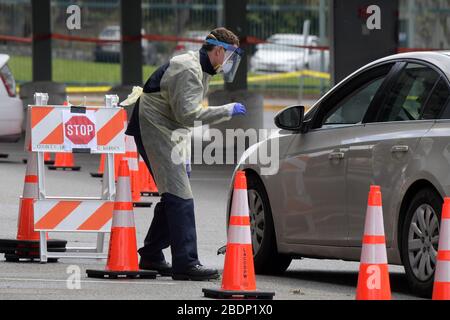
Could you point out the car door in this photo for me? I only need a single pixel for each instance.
(317, 162)
(381, 151)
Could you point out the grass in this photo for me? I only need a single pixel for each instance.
(89, 73)
(74, 72)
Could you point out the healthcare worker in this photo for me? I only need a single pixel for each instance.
(168, 106)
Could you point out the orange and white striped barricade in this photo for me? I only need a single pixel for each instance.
(76, 129)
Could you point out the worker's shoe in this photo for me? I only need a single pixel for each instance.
(163, 268)
(196, 273)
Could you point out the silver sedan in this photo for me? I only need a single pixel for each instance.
(387, 124)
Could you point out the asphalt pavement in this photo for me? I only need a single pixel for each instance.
(305, 279)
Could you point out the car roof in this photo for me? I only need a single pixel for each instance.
(440, 59)
(288, 36)
(197, 33)
(3, 59)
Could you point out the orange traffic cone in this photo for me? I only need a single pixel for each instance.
(101, 168)
(122, 255)
(238, 279)
(131, 155)
(148, 185)
(441, 288)
(48, 158)
(117, 158)
(373, 279)
(27, 244)
(25, 223)
(64, 161)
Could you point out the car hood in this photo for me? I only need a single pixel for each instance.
(3, 59)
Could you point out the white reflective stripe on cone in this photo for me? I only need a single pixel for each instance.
(444, 235)
(30, 190)
(31, 164)
(374, 221)
(123, 193)
(239, 235)
(442, 273)
(239, 206)
(123, 218)
(373, 253)
(130, 145)
(133, 164)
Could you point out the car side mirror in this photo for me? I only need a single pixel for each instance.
(290, 118)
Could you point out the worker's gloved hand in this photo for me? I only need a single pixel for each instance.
(238, 109)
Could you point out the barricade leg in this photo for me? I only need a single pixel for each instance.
(43, 246)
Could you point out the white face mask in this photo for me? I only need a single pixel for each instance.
(227, 64)
(226, 67)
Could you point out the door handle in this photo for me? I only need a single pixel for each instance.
(336, 155)
(399, 148)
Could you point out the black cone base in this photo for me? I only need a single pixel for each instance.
(142, 204)
(224, 294)
(64, 168)
(21, 258)
(96, 175)
(105, 274)
(28, 250)
(150, 194)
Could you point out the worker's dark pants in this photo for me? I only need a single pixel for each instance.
(173, 224)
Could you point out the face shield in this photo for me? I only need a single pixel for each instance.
(231, 61)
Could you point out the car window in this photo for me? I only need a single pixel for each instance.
(352, 109)
(437, 101)
(409, 94)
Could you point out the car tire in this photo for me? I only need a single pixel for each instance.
(426, 236)
(267, 260)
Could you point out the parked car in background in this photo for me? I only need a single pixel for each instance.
(110, 52)
(280, 54)
(184, 46)
(387, 124)
(11, 110)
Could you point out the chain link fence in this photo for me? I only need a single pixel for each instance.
(277, 57)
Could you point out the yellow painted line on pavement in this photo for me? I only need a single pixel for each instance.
(280, 76)
(99, 89)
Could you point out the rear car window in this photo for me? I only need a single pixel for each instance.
(409, 96)
(437, 101)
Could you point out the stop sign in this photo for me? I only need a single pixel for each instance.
(80, 130)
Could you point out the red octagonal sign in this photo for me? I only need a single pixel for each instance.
(80, 130)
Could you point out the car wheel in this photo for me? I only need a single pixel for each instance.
(420, 237)
(266, 257)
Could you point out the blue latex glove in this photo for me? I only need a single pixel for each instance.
(238, 109)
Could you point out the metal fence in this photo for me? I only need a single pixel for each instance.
(275, 69)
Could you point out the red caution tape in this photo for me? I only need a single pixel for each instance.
(249, 40)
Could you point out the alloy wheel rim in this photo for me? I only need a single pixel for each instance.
(423, 239)
(257, 222)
